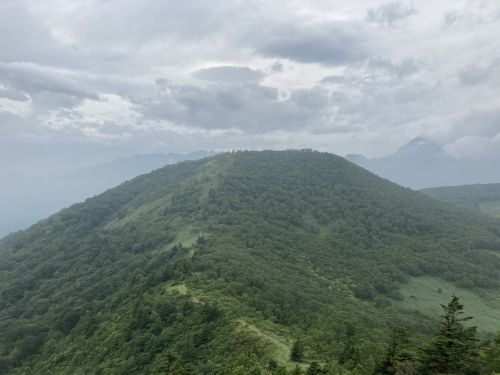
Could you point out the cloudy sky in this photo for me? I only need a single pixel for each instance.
(101, 78)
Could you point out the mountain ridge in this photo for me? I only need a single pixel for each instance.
(477, 197)
(27, 199)
(209, 259)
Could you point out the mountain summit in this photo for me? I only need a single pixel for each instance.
(420, 147)
(225, 264)
(422, 163)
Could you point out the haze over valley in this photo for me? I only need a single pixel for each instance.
(27, 199)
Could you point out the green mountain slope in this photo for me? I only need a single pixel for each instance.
(481, 197)
(218, 266)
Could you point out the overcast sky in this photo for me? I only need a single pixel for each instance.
(342, 76)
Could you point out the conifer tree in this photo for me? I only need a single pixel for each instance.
(454, 349)
(297, 353)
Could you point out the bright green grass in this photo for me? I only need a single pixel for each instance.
(183, 290)
(426, 294)
(179, 288)
(144, 210)
(279, 346)
(490, 208)
(206, 178)
(187, 237)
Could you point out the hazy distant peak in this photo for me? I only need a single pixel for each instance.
(356, 158)
(420, 145)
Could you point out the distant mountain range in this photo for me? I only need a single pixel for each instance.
(421, 164)
(27, 199)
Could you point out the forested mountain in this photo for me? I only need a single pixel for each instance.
(25, 199)
(422, 164)
(479, 197)
(243, 263)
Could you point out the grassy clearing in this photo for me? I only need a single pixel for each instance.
(490, 208)
(426, 294)
(187, 237)
(208, 178)
(145, 210)
(182, 289)
(279, 347)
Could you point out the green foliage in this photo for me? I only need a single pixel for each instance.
(454, 350)
(491, 356)
(480, 197)
(397, 356)
(297, 352)
(315, 369)
(158, 274)
(426, 295)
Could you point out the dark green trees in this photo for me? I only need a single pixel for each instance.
(178, 261)
(314, 369)
(169, 364)
(491, 357)
(454, 350)
(297, 352)
(398, 360)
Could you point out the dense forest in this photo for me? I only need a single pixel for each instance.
(479, 197)
(247, 263)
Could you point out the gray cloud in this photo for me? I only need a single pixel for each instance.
(277, 67)
(229, 74)
(473, 75)
(391, 13)
(249, 108)
(39, 82)
(380, 94)
(152, 20)
(390, 105)
(472, 14)
(330, 44)
(405, 67)
(24, 37)
(476, 135)
(484, 123)
(362, 100)
(331, 75)
(13, 95)
(335, 79)
(12, 125)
